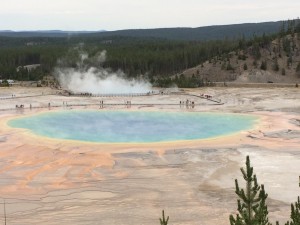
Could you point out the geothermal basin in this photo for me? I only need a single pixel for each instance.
(133, 126)
(60, 180)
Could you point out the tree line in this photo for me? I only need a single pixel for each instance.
(158, 59)
(155, 58)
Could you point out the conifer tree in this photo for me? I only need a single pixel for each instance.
(262, 210)
(295, 213)
(163, 220)
(252, 208)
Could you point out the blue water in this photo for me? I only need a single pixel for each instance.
(130, 127)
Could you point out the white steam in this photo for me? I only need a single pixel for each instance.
(98, 80)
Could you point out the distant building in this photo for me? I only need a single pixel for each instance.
(29, 67)
(31, 43)
(9, 82)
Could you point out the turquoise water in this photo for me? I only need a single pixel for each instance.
(130, 127)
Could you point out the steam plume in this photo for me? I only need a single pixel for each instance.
(89, 76)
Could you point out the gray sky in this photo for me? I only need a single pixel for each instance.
(128, 14)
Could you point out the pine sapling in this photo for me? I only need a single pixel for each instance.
(163, 220)
(252, 208)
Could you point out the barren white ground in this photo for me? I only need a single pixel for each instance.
(45, 181)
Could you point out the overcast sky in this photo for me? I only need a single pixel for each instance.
(128, 14)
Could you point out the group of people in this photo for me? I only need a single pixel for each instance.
(22, 106)
(19, 106)
(187, 103)
(128, 104)
(101, 104)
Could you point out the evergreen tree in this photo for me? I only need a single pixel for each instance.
(263, 65)
(163, 220)
(262, 210)
(252, 206)
(298, 70)
(256, 51)
(282, 29)
(276, 65)
(295, 213)
(229, 66)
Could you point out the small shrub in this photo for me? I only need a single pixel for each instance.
(298, 68)
(242, 57)
(289, 61)
(223, 67)
(276, 66)
(263, 65)
(255, 63)
(229, 67)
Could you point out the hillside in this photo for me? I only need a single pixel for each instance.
(275, 62)
(217, 32)
(46, 33)
(201, 33)
(264, 58)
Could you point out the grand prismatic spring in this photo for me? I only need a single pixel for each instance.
(133, 127)
(74, 164)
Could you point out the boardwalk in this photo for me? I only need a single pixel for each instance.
(218, 101)
(113, 95)
(38, 101)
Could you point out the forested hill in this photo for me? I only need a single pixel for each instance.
(218, 32)
(157, 58)
(46, 33)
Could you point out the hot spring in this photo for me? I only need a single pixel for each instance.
(133, 127)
